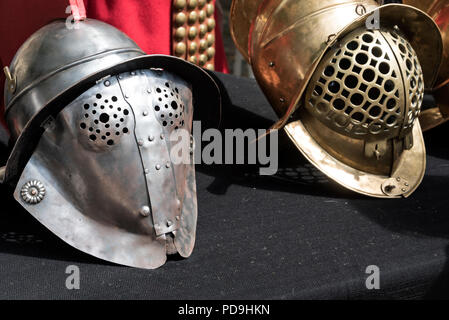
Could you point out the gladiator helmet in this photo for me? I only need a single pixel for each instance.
(348, 84)
(91, 118)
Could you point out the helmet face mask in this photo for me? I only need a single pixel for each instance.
(357, 93)
(107, 172)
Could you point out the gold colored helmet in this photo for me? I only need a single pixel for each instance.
(439, 11)
(347, 80)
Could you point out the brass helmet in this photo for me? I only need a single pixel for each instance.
(355, 73)
(439, 11)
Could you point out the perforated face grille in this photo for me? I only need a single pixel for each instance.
(413, 75)
(104, 114)
(169, 107)
(105, 119)
(357, 89)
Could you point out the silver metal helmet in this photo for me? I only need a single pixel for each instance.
(93, 159)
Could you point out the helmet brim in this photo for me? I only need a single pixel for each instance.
(439, 114)
(431, 118)
(407, 175)
(242, 15)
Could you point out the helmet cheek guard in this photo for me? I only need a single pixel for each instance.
(102, 171)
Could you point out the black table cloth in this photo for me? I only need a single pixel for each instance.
(295, 235)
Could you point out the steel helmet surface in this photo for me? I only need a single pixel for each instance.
(355, 73)
(439, 11)
(92, 116)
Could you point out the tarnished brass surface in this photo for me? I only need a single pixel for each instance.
(288, 38)
(358, 89)
(243, 13)
(355, 110)
(194, 31)
(439, 11)
(431, 118)
(362, 134)
(410, 171)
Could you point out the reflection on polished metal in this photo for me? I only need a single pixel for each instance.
(90, 207)
(51, 73)
(85, 161)
(197, 18)
(439, 11)
(348, 91)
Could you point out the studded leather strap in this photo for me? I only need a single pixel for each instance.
(194, 31)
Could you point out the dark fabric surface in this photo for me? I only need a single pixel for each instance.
(295, 235)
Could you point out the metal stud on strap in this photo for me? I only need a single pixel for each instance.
(11, 80)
